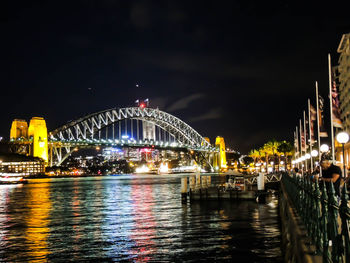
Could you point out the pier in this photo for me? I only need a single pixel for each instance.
(200, 187)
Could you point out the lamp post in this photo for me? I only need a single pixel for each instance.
(343, 137)
(314, 153)
(324, 148)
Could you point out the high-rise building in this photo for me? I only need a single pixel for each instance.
(343, 75)
(344, 79)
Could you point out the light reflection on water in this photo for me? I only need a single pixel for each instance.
(130, 218)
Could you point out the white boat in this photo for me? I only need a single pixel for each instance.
(12, 178)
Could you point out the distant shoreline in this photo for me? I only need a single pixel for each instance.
(43, 176)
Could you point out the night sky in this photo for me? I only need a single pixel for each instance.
(239, 69)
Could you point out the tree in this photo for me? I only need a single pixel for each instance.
(255, 154)
(270, 148)
(287, 149)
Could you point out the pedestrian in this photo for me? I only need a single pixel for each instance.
(331, 173)
(297, 172)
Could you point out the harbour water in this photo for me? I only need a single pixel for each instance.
(136, 218)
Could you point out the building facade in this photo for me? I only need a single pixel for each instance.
(343, 76)
(344, 79)
(20, 164)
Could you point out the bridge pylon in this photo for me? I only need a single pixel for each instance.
(221, 156)
(30, 140)
(37, 131)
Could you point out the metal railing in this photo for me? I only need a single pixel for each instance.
(324, 214)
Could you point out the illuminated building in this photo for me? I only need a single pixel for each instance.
(37, 131)
(344, 90)
(19, 129)
(112, 154)
(21, 164)
(344, 79)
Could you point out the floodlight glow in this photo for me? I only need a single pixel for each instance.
(342, 137)
(142, 169)
(307, 156)
(163, 168)
(324, 148)
(314, 153)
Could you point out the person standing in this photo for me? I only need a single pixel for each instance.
(331, 173)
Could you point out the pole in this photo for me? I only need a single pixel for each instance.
(318, 127)
(132, 129)
(298, 146)
(305, 140)
(113, 131)
(301, 144)
(344, 169)
(310, 138)
(330, 103)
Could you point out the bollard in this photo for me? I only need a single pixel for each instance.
(208, 180)
(204, 181)
(261, 188)
(261, 182)
(198, 181)
(184, 190)
(192, 182)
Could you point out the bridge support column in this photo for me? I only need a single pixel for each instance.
(184, 190)
(38, 132)
(220, 144)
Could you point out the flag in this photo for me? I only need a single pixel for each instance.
(323, 132)
(306, 139)
(296, 142)
(335, 103)
(302, 139)
(313, 117)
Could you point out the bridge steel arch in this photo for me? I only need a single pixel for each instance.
(87, 127)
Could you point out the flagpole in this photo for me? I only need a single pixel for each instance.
(301, 144)
(297, 137)
(311, 164)
(305, 140)
(318, 126)
(330, 103)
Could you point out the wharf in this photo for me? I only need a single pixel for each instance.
(217, 193)
(200, 187)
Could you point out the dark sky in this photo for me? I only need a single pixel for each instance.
(239, 69)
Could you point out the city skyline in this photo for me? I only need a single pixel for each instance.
(229, 70)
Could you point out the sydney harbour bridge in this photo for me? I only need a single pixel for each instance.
(133, 127)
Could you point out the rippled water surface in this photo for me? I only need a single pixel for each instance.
(130, 218)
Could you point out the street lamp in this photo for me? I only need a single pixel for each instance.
(343, 137)
(314, 153)
(324, 148)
